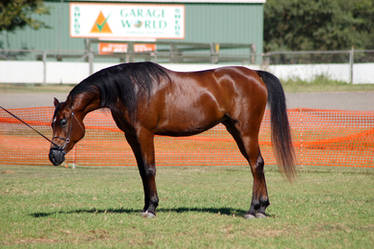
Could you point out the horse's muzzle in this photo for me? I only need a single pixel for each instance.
(56, 156)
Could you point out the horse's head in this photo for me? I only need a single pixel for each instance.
(68, 129)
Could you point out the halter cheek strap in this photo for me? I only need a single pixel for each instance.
(68, 136)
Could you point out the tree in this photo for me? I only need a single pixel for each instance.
(318, 24)
(20, 13)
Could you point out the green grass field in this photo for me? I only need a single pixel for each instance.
(200, 207)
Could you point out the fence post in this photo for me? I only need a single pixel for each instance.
(173, 53)
(130, 52)
(265, 60)
(90, 62)
(214, 52)
(90, 55)
(253, 51)
(301, 123)
(44, 58)
(351, 61)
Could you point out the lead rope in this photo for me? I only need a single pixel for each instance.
(19, 119)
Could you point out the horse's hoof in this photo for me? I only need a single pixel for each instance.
(249, 216)
(261, 215)
(148, 214)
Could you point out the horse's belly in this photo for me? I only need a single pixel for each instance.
(189, 120)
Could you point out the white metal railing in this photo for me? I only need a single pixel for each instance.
(346, 65)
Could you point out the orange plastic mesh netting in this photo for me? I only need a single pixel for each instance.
(320, 137)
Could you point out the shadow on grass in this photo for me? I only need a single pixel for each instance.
(223, 210)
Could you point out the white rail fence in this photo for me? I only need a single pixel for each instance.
(67, 67)
(73, 72)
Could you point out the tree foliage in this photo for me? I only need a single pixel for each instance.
(318, 24)
(20, 13)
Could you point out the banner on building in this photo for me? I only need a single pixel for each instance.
(112, 48)
(127, 21)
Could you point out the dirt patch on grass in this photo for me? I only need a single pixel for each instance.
(7, 172)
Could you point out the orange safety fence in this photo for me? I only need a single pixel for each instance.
(320, 137)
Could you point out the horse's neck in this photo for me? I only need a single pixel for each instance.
(84, 103)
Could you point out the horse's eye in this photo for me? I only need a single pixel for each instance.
(63, 122)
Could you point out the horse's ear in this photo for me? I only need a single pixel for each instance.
(55, 101)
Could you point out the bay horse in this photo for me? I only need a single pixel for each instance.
(146, 99)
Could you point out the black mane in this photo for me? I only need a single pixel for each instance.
(124, 82)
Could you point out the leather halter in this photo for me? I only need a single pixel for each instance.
(68, 136)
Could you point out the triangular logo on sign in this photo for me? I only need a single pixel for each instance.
(101, 24)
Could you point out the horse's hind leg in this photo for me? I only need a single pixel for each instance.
(248, 145)
(260, 199)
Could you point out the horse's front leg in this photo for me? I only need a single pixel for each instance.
(141, 142)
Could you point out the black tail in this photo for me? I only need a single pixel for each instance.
(280, 128)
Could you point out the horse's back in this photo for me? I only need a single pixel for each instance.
(221, 90)
(191, 102)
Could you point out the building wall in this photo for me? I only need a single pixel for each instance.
(204, 22)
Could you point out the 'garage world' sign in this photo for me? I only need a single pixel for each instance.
(126, 21)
